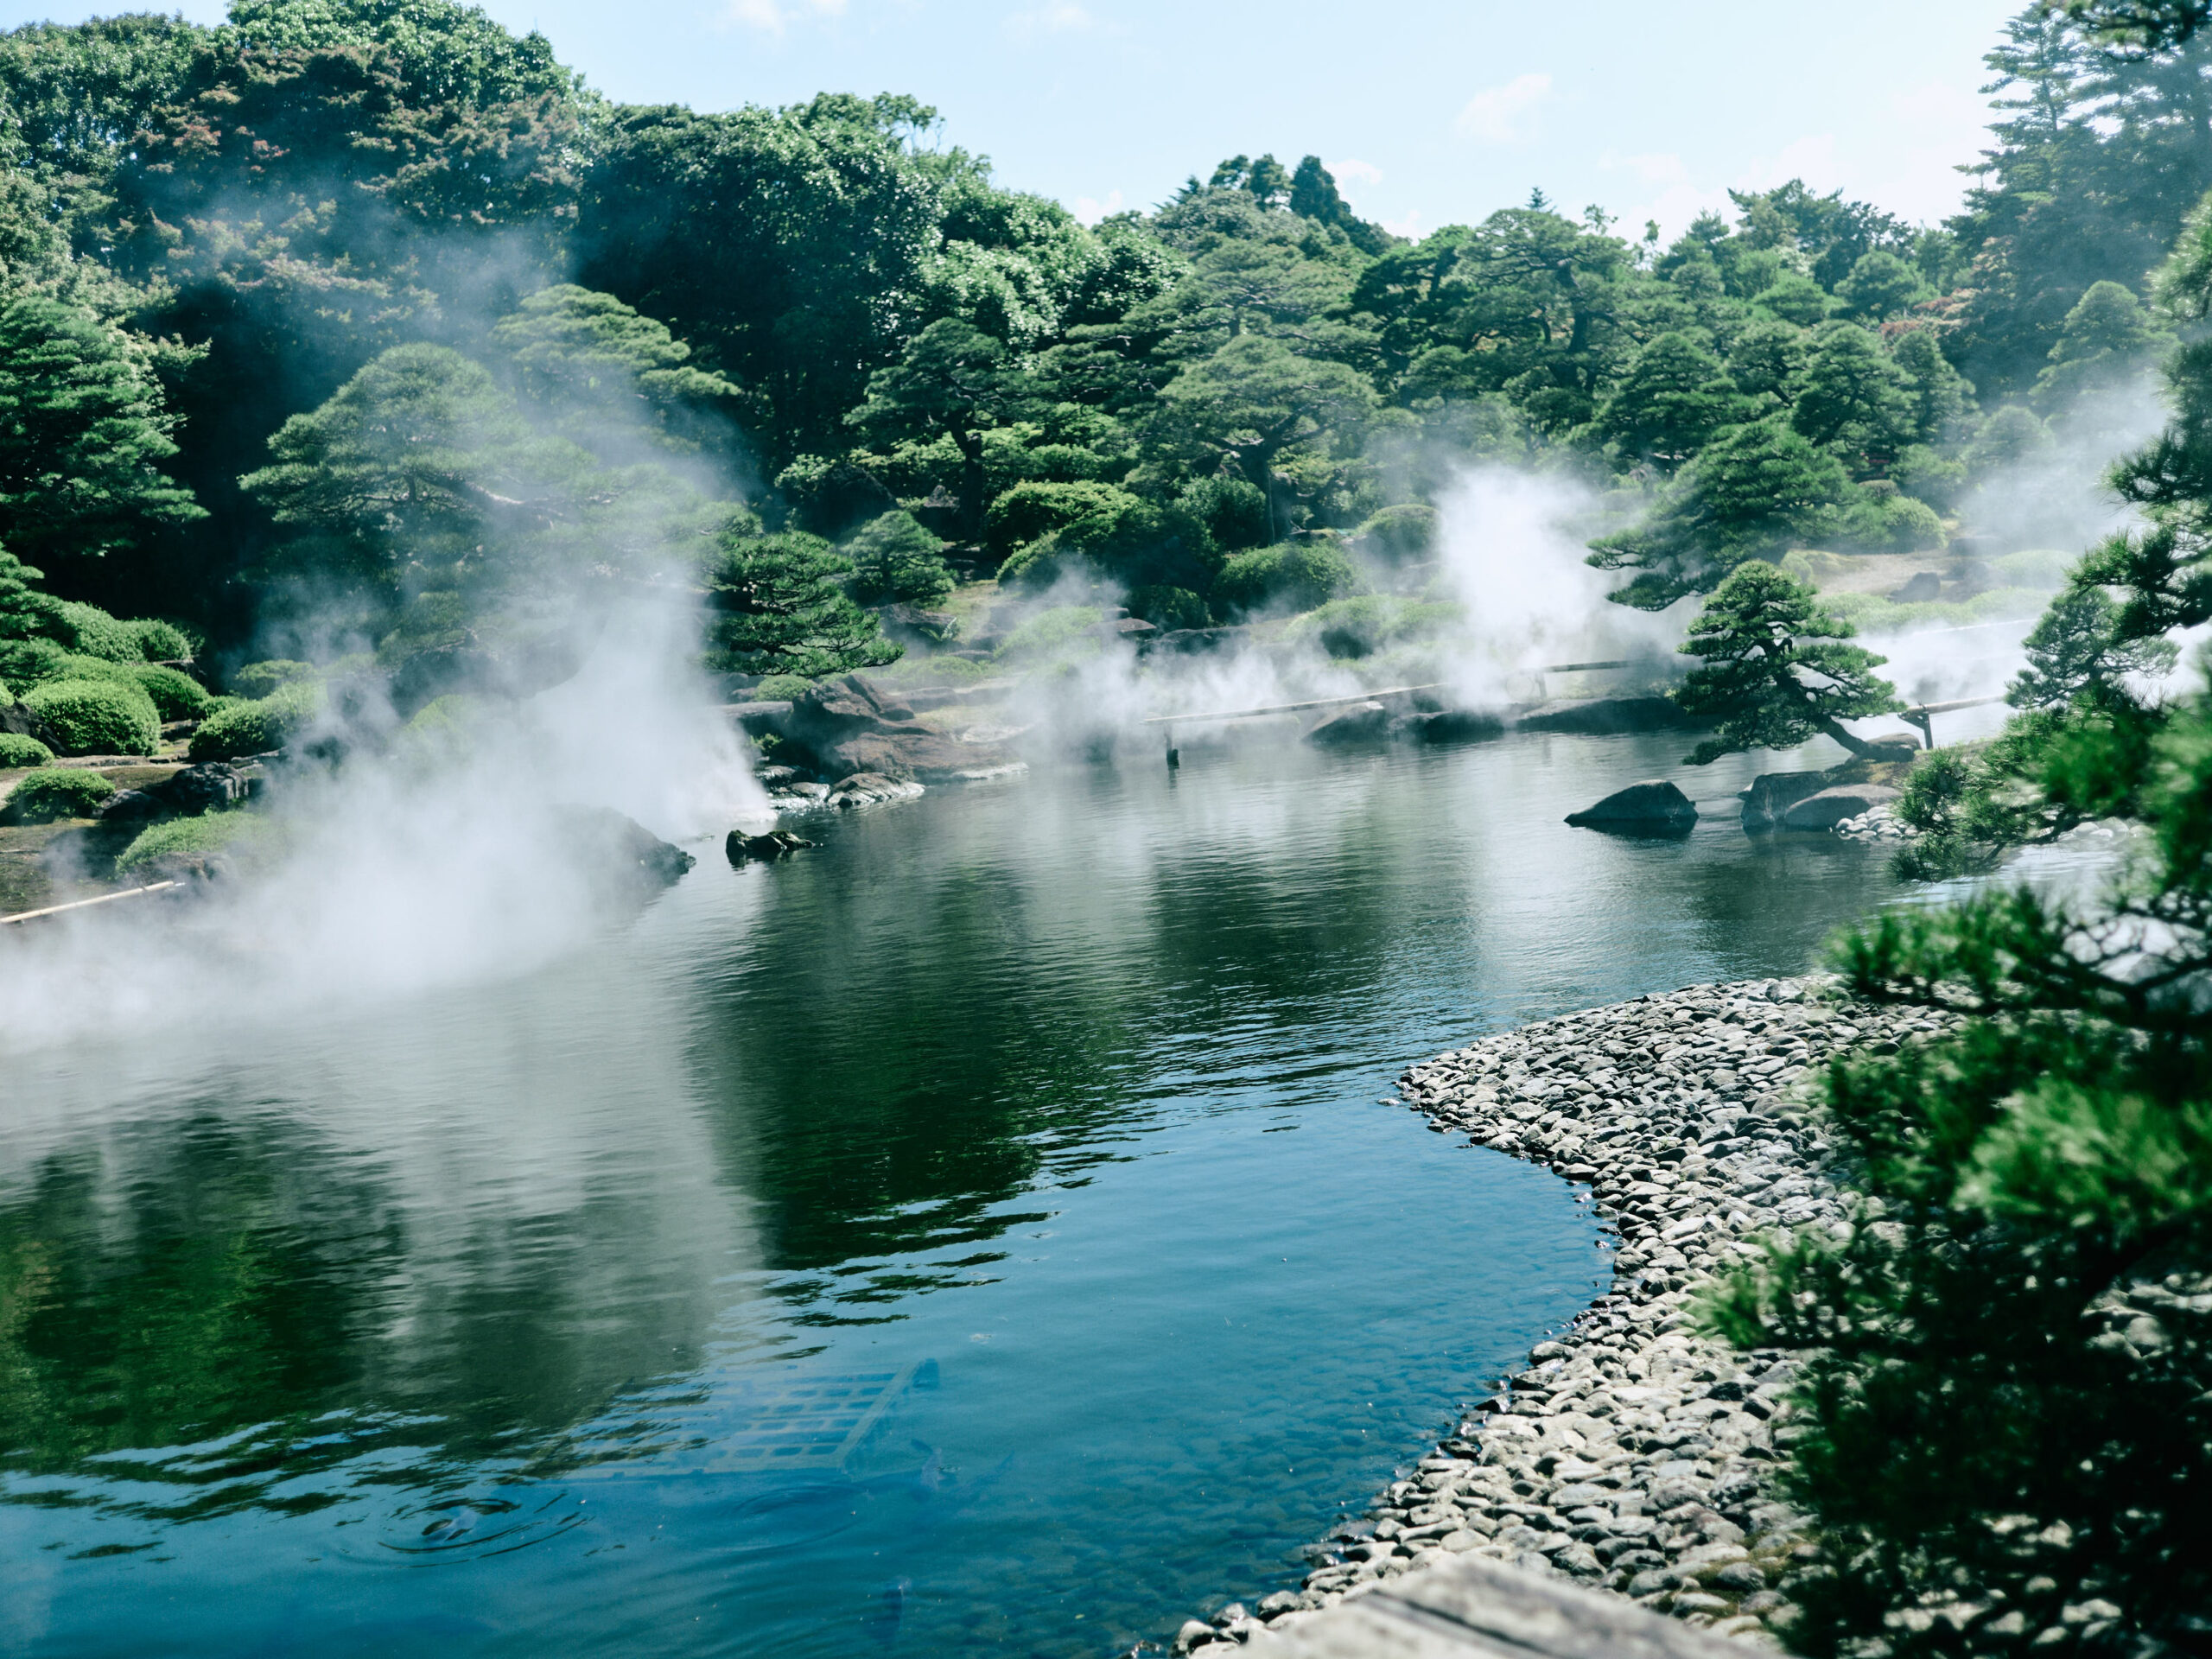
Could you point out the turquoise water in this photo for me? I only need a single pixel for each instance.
(978, 1236)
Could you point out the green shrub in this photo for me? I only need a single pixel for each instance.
(258, 725)
(258, 680)
(1367, 623)
(26, 663)
(1063, 630)
(18, 750)
(1234, 512)
(1170, 607)
(896, 562)
(1893, 524)
(176, 695)
(782, 688)
(93, 632)
(1031, 510)
(55, 792)
(1400, 535)
(179, 841)
(98, 717)
(1294, 575)
(160, 641)
(2039, 567)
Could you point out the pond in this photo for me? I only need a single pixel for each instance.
(982, 1234)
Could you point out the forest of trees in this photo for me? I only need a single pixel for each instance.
(369, 312)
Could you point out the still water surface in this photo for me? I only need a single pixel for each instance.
(980, 1236)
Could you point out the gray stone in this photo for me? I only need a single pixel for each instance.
(1606, 717)
(1362, 722)
(1828, 807)
(1656, 806)
(850, 727)
(1773, 793)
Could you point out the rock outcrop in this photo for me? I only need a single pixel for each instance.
(1773, 793)
(849, 726)
(1359, 722)
(1829, 807)
(1656, 806)
(1606, 716)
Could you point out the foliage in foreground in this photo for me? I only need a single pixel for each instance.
(18, 750)
(1998, 1455)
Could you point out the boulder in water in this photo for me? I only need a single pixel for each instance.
(1654, 807)
(743, 849)
(871, 789)
(1773, 793)
(1830, 807)
(1606, 716)
(1358, 722)
(851, 728)
(1454, 726)
(629, 856)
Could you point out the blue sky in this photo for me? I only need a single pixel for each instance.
(1430, 112)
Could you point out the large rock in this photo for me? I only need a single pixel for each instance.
(1359, 722)
(1832, 806)
(625, 857)
(1655, 806)
(1773, 793)
(849, 727)
(1454, 726)
(19, 719)
(1606, 717)
(872, 789)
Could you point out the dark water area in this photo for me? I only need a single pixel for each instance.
(981, 1235)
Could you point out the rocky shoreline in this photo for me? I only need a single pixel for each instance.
(1633, 1455)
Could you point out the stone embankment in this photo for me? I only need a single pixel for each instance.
(1634, 1454)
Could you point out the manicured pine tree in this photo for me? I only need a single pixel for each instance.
(1775, 671)
(778, 606)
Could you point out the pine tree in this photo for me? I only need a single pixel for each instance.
(1775, 670)
(779, 606)
(2004, 1416)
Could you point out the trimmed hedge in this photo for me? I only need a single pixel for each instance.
(176, 695)
(98, 717)
(55, 792)
(18, 750)
(258, 726)
(180, 840)
(258, 680)
(160, 641)
(93, 632)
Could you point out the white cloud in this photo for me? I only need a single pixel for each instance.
(1492, 115)
(1366, 172)
(774, 16)
(1408, 227)
(1053, 17)
(1670, 196)
(1091, 210)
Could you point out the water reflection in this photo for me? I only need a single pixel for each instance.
(979, 1235)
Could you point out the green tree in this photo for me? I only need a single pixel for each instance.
(1767, 362)
(2077, 652)
(896, 562)
(778, 605)
(1675, 395)
(2004, 1412)
(952, 380)
(602, 374)
(2106, 341)
(1880, 285)
(1854, 400)
(1252, 401)
(1755, 490)
(1774, 671)
(83, 437)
